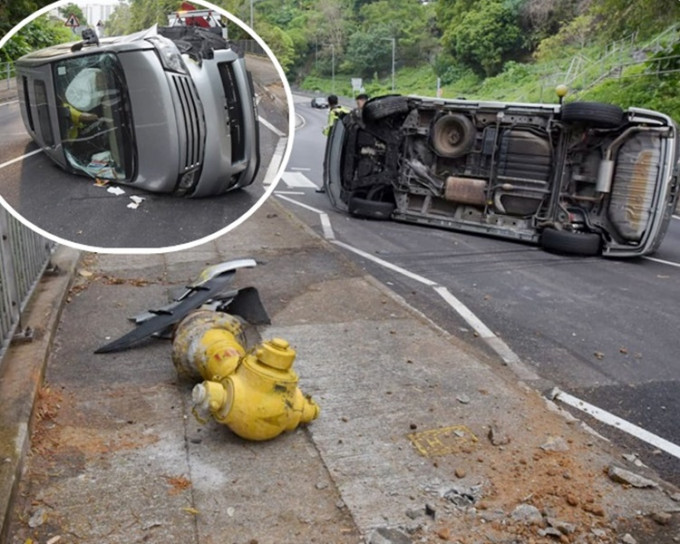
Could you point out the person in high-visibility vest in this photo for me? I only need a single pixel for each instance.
(335, 112)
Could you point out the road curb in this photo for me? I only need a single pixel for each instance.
(22, 373)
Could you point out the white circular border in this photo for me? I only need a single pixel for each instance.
(210, 237)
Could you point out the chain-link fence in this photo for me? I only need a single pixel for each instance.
(24, 255)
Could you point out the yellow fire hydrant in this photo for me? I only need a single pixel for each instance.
(255, 394)
(261, 399)
(208, 345)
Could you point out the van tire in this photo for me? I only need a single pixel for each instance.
(370, 209)
(594, 114)
(587, 244)
(379, 108)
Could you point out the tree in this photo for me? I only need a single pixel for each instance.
(39, 33)
(485, 37)
(72, 9)
(368, 52)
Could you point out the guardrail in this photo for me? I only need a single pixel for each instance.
(24, 256)
(251, 46)
(6, 74)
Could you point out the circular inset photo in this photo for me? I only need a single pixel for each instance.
(119, 139)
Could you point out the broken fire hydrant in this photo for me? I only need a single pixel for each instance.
(255, 394)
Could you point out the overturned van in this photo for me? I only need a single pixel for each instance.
(168, 109)
(581, 178)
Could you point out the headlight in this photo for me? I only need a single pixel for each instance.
(169, 54)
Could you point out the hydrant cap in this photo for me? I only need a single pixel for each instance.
(276, 353)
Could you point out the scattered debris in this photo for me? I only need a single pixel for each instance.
(563, 527)
(384, 535)
(498, 438)
(463, 496)
(555, 444)
(231, 511)
(626, 477)
(99, 182)
(662, 518)
(430, 510)
(527, 514)
(598, 355)
(191, 511)
(38, 518)
(628, 539)
(115, 191)
(136, 201)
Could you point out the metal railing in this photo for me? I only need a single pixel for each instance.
(6, 74)
(24, 255)
(251, 46)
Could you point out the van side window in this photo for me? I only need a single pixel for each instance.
(27, 101)
(43, 111)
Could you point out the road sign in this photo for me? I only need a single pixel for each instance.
(72, 21)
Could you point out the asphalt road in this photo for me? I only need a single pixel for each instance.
(72, 209)
(605, 331)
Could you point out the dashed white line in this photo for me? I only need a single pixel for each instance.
(615, 421)
(12, 161)
(289, 193)
(300, 168)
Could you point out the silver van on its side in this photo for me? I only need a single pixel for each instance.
(168, 109)
(582, 177)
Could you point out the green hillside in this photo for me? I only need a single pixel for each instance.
(619, 51)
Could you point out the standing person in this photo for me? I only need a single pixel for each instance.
(361, 100)
(335, 112)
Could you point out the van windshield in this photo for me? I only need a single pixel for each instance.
(94, 116)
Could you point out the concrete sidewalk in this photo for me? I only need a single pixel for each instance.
(421, 437)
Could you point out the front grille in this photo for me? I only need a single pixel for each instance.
(235, 111)
(190, 119)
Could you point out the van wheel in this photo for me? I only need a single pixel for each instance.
(376, 203)
(572, 243)
(594, 114)
(453, 135)
(379, 108)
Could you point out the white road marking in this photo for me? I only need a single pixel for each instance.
(300, 169)
(298, 180)
(298, 203)
(271, 127)
(7, 103)
(12, 161)
(274, 164)
(510, 358)
(669, 263)
(470, 318)
(615, 421)
(289, 193)
(327, 227)
(388, 265)
(676, 217)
